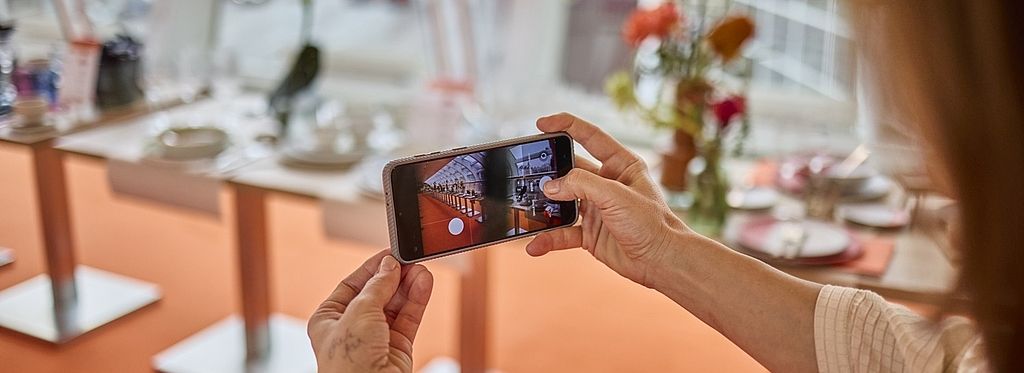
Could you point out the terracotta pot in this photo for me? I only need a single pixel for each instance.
(675, 161)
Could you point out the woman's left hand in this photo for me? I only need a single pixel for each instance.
(369, 322)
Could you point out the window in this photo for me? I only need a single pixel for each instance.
(802, 44)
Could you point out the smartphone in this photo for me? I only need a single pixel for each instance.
(466, 198)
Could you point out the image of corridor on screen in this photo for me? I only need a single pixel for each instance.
(462, 202)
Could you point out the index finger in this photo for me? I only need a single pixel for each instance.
(614, 157)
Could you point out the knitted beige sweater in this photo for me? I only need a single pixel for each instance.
(858, 331)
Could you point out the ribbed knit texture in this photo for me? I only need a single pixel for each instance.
(858, 331)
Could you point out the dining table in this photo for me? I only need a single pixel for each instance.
(69, 299)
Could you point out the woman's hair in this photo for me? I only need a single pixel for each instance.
(954, 69)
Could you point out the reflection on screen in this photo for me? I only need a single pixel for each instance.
(480, 197)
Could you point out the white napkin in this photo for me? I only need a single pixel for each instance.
(164, 184)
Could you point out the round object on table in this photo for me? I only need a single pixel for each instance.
(855, 251)
(19, 126)
(876, 215)
(757, 198)
(771, 237)
(319, 158)
(188, 143)
(875, 187)
(31, 110)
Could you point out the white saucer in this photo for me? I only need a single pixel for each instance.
(319, 159)
(189, 143)
(876, 215)
(757, 198)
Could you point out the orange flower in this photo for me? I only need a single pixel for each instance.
(727, 38)
(643, 23)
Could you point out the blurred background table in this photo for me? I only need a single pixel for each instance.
(234, 344)
(69, 300)
(349, 213)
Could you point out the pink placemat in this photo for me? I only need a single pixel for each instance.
(875, 259)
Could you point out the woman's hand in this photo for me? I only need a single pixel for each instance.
(628, 226)
(625, 222)
(369, 322)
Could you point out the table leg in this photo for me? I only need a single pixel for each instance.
(251, 233)
(473, 314)
(68, 300)
(259, 341)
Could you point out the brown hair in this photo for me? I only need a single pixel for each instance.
(954, 70)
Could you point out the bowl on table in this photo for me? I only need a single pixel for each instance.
(191, 143)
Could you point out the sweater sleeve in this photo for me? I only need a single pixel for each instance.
(858, 331)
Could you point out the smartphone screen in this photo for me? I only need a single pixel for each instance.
(479, 197)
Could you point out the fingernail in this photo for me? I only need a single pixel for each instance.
(388, 264)
(552, 186)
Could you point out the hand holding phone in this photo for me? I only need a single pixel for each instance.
(458, 200)
(625, 223)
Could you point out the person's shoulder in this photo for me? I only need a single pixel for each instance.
(973, 359)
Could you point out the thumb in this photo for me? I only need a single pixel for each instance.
(584, 185)
(380, 288)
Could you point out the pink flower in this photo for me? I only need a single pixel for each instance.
(643, 23)
(728, 108)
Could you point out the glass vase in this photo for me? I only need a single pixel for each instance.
(708, 213)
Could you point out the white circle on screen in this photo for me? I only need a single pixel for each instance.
(544, 180)
(455, 226)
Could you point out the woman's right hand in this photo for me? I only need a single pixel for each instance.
(626, 223)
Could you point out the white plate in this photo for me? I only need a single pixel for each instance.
(321, 159)
(822, 239)
(188, 143)
(878, 216)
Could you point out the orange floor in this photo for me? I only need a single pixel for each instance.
(561, 313)
(434, 218)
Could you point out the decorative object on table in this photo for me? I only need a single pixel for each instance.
(301, 75)
(864, 184)
(191, 143)
(38, 78)
(875, 216)
(799, 242)
(31, 110)
(320, 136)
(689, 59)
(78, 78)
(120, 73)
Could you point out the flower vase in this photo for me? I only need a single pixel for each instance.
(708, 213)
(675, 161)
